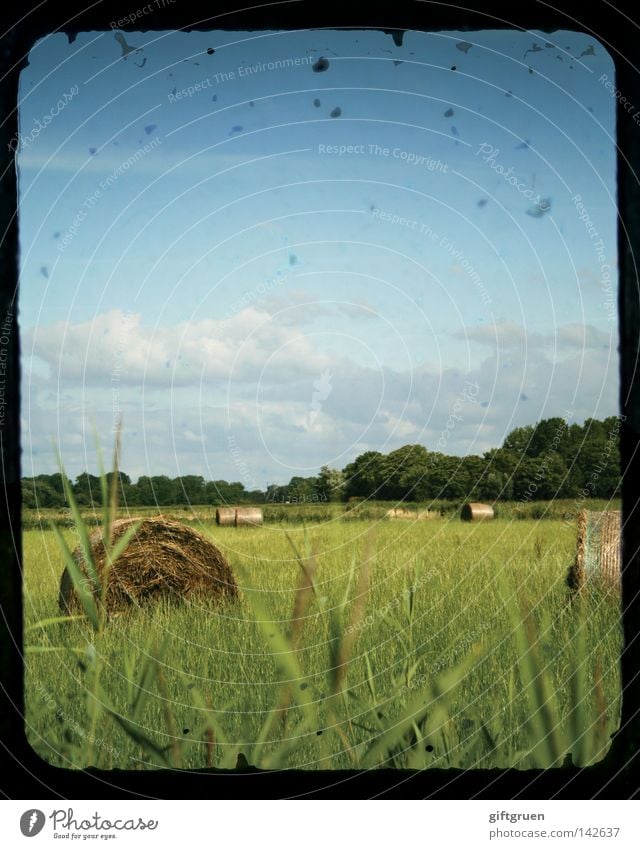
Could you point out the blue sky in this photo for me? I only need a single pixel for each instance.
(265, 263)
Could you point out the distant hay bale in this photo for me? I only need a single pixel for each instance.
(164, 559)
(474, 512)
(598, 549)
(239, 516)
(248, 516)
(428, 514)
(400, 513)
(404, 513)
(225, 516)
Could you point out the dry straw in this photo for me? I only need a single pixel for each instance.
(225, 516)
(239, 516)
(248, 516)
(164, 559)
(404, 513)
(474, 512)
(598, 549)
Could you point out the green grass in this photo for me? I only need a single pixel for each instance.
(463, 651)
(318, 512)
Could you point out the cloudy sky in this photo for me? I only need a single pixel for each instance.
(269, 252)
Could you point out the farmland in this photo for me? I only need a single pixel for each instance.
(408, 653)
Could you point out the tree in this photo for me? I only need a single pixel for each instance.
(364, 476)
(164, 490)
(597, 464)
(123, 478)
(548, 435)
(500, 464)
(472, 470)
(519, 440)
(87, 489)
(190, 489)
(272, 493)
(440, 480)
(331, 484)
(130, 495)
(124, 488)
(56, 482)
(222, 492)
(29, 499)
(42, 491)
(551, 476)
(145, 491)
(402, 470)
(302, 489)
(525, 485)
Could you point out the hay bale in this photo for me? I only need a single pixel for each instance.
(248, 516)
(428, 514)
(164, 559)
(225, 516)
(598, 549)
(475, 512)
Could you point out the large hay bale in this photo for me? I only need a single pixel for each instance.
(248, 516)
(474, 512)
(598, 549)
(226, 516)
(164, 559)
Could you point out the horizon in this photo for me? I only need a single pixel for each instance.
(95, 470)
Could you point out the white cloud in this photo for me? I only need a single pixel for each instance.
(117, 347)
(178, 419)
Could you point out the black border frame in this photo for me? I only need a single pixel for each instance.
(24, 775)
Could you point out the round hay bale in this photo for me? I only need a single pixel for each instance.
(248, 516)
(226, 516)
(164, 559)
(598, 549)
(473, 511)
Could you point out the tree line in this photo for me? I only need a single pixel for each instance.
(550, 459)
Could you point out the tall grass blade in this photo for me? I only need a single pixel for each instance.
(433, 695)
(53, 620)
(81, 528)
(79, 580)
(545, 746)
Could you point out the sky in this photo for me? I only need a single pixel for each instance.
(269, 252)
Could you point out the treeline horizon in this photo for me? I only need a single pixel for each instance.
(551, 459)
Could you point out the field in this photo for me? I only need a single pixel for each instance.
(434, 643)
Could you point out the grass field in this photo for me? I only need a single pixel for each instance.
(460, 649)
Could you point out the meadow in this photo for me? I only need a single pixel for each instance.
(357, 643)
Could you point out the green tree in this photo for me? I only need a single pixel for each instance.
(164, 490)
(28, 488)
(519, 440)
(472, 472)
(364, 475)
(190, 489)
(42, 491)
(548, 435)
(500, 464)
(402, 471)
(331, 484)
(223, 492)
(145, 491)
(86, 489)
(525, 484)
